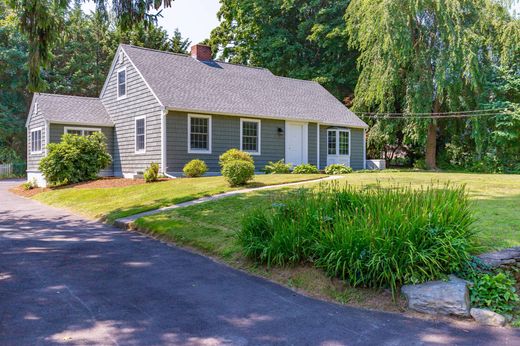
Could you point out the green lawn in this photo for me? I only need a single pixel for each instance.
(211, 227)
(114, 203)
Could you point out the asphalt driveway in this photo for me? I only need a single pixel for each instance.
(66, 280)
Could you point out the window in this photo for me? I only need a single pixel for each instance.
(140, 135)
(80, 131)
(338, 142)
(199, 129)
(121, 83)
(250, 131)
(36, 141)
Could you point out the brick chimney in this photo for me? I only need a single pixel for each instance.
(201, 52)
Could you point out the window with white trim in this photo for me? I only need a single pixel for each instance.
(140, 135)
(338, 142)
(250, 131)
(36, 141)
(121, 83)
(199, 129)
(80, 131)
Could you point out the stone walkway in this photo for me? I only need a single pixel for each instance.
(125, 222)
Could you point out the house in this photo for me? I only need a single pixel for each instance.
(171, 108)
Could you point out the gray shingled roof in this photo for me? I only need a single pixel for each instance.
(182, 82)
(72, 109)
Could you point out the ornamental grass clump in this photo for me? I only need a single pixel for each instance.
(371, 237)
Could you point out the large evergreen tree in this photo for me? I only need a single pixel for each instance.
(295, 38)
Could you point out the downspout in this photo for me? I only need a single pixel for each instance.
(365, 149)
(164, 113)
(318, 145)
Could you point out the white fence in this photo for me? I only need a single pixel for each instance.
(6, 169)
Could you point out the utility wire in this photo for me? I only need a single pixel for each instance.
(437, 113)
(454, 116)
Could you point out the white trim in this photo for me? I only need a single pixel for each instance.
(119, 70)
(305, 139)
(197, 111)
(37, 152)
(33, 109)
(365, 149)
(259, 135)
(318, 146)
(82, 129)
(210, 130)
(141, 151)
(80, 124)
(164, 114)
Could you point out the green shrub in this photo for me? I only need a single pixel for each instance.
(238, 172)
(233, 155)
(75, 159)
(278, 167)
(495, 292)
(419, 164)
(372, 237)
(195, 168)
(30, 184)
(152, 173)
(305, 168)
(337, 168)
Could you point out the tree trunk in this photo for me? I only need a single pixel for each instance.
(431, 146)
(431, 139)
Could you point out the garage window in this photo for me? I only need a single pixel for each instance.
(36, 141)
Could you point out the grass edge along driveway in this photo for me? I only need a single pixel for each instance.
(113, 203)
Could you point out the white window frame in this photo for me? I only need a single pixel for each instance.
(122, 69)
(259, 134)
(210, 131)
(337, 131)
(139, 151)
(82, 129)
(41, 140)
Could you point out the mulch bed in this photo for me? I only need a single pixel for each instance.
(101, 183)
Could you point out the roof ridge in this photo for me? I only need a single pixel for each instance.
(62, 95)
(189, 56)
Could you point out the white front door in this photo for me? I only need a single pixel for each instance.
(338, 146)
(295, 143)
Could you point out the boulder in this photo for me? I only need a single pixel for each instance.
(507, 258)
(488, 317)
(439, 297)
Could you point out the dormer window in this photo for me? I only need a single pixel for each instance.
(121, 83)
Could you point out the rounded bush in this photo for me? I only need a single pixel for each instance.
(152, 173)
(75, 159)
(233, 155)
(238, 172)
(195, 168)
(306, 168)
(337, 168)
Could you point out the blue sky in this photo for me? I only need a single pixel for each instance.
(196, 18)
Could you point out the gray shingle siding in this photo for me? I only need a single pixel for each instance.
(139, 102)
(225, 135)
(312, 144)
(56, 131)
(37, 121)
(356, 149)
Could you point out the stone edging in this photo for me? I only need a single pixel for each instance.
(506, 258)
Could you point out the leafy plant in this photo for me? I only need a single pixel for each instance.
(278, 167)
(152, 173)
(338, 168)
(75, 159)
(30, 184)
(233, 155)
(495, 292)
(195, 168)
(352, 233)
(238, 172)
(306, 168)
